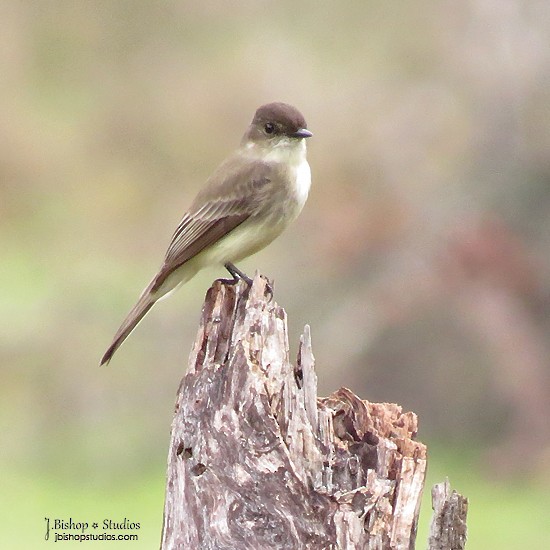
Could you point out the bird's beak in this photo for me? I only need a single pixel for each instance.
(302, 133)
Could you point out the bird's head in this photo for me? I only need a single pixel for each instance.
(275, 126)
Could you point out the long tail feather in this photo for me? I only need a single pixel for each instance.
(138, 312)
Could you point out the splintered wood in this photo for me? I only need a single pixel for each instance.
(448, 527)
(258, 461)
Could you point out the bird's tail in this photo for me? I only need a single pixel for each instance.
(145, 303)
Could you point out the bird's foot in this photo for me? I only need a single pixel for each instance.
(269, 289)
(238, 275)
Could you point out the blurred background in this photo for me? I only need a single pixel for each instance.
(420, 261)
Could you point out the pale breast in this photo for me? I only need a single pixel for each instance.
(303, 182)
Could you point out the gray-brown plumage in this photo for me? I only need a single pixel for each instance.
(246, 203)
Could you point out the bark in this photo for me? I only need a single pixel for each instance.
(258, 461)
(448, 527)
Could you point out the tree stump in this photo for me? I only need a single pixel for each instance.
(258, 461)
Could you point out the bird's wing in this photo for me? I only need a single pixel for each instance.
(224, 204)
(199, 230)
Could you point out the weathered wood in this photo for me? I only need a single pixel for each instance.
(448, 526)
(257, 461)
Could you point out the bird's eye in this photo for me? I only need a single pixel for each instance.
(269, 128)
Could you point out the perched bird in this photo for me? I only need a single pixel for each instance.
(246, 203)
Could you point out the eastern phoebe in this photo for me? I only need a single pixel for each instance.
(246, 203)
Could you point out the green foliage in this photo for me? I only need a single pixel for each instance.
(502, 515)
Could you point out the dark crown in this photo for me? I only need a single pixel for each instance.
(286, 117)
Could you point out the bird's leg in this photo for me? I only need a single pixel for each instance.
(237, 274)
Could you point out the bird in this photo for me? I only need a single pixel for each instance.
(247, 202)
